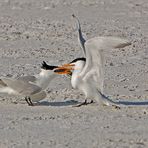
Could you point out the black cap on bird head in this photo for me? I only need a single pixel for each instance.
(48, 67)
(78, 59)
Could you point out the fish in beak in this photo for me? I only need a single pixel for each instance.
(65, 69)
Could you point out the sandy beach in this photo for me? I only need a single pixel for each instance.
(35, 30)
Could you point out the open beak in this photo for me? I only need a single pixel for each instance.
(65, 69)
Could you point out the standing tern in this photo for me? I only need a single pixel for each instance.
(31, 87)
(88, 72)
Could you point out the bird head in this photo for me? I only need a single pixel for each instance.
(45, 66)
(76, 64)
(56, 69)
(47, 70)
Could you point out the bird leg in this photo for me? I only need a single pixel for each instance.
(28, 100)
(84, 103)
(91, 102)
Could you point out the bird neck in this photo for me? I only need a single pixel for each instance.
(44, 78)
(76, 72)
(44, 73)
(75, 80)
(78, 67)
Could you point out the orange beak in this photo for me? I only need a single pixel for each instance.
(64, 69)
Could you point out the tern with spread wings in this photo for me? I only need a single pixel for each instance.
(88, 72)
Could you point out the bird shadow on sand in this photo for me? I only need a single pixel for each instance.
(120, 102)
(74, 102)
(133, 103)
(58, 104)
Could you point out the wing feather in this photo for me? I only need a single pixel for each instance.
(94, 67)
(22, 87)
(27, 78)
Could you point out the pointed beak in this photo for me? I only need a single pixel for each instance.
(65, 69)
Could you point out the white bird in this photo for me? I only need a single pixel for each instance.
(31, 87)
(88, 72)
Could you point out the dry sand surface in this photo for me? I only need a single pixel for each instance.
(35, 30)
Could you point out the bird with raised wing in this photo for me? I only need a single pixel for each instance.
(88, 71)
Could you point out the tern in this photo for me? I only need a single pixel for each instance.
(31, 87)
(88, 71)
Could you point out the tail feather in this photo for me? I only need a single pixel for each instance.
(2, 83)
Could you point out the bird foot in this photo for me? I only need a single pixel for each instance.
(84, 103)
(114, 105)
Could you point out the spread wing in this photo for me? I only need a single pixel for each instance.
(93, 69)
(81, 39)
(22, 87)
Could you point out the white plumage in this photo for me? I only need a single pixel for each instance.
(31, 87)
(89, 76)
(88, 72)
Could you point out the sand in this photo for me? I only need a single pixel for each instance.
(35, 30)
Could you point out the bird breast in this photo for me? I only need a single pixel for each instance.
(75, 81)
